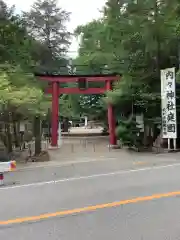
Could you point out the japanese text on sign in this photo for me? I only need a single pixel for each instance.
(168, 103)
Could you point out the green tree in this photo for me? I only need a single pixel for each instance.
(136, 39)
(92, 60)
(22, 94)
(16, 100)
(145, 32)
(46, 23)
(14, 40)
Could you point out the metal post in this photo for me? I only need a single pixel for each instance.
(169, 144)
(94, 148)
(174, 144)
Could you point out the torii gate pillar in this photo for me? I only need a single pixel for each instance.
(55, 114)
(111, 119)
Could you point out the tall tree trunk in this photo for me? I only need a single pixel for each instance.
(37, 135)
(16, 138)
(8, 133)
(158, 42)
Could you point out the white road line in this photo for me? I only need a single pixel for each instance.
(90, 176)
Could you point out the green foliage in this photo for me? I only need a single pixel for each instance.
(128, 132)
(22, 97)
(14, 40)
(91, 60)
(46, 23)
(142, 37)
(38, 41)
(136, 39)
(21, 49)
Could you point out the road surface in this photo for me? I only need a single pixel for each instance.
(93, 200)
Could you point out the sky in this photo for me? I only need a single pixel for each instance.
(82, 12)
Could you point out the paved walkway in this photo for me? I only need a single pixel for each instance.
(75, 152)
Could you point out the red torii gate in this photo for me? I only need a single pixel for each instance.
(56, 90)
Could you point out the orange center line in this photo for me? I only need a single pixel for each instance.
(89, 208)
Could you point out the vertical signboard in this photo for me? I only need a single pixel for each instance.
(168, 103)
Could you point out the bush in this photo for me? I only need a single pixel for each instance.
(128, 132)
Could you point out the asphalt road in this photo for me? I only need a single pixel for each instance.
(138, 218)
(85, 166)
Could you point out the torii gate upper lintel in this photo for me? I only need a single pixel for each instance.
(56, 90)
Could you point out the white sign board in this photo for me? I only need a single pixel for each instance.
(22, 127)
(140, 122)
(168, 103)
